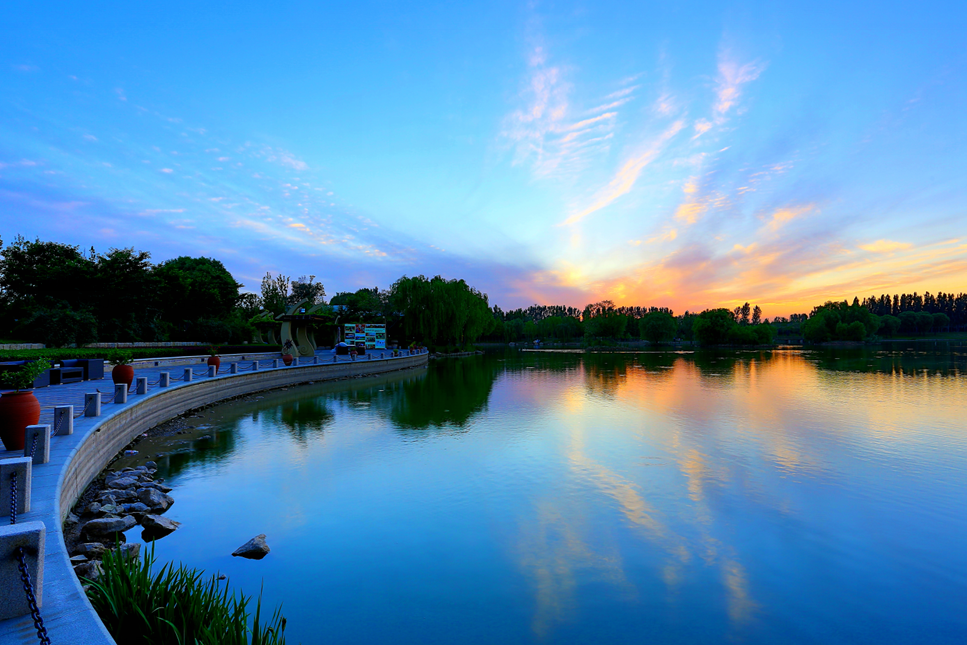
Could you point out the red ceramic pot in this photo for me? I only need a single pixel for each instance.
(287, 359)
(17, 411)
(123, 374)
(216, 361)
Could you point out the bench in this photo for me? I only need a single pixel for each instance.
(60, 375)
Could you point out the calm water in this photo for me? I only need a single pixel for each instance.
(538, 497)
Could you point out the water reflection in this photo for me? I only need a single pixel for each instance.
(787, 495)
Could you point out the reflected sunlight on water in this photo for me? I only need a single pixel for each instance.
(543, 497)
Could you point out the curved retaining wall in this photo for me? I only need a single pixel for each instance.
(77, 459)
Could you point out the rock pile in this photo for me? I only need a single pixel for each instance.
(130, 497)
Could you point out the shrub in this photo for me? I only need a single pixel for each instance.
(176, 605)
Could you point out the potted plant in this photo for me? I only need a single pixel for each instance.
(20, 408)
(123, 372)
(287, 353)
(213, 358)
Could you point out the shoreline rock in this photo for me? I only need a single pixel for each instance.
(254, 549)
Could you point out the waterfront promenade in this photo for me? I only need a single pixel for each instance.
(77, 458)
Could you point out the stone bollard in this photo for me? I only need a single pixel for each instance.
(187, 377)
(22, 467)
(233, 368)
(335, 358)
(165, 379)
(255, 365)
(275, 363)
(121, 393)
(42, 448)
(315, 360)
(141, 385)
(211, 371)
(31, 537)
(63, 420)
(92, 404)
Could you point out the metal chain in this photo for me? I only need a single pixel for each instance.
(13, 498)
(31, 600)
(33, 446)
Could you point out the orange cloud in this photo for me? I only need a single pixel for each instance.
(884, 246)
(783, 215)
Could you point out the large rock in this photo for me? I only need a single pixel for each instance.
(123, 482)
(158, 486)
(132, 550)
(156, 527)
(117, 495)
(93, 550)
(155, 499)
(254, 549)
(107, 527)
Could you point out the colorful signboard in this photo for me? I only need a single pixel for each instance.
(368, 335)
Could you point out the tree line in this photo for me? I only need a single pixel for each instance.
(56, 294)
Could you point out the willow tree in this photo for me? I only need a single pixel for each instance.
(441, 312)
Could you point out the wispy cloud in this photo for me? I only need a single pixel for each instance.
(885, 246)
(624, 180)
(732, 76)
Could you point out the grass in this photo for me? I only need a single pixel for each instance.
(176, 606)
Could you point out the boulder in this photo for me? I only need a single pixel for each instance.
(78, 559)
(92, 508)
(93, 550)
(153, 498)
(137, 509)
(158, 486)
(156, 527)
(254, 549)
(132, 550)
(107, 527)
(108, 510)
(152, 465)
(123, 482)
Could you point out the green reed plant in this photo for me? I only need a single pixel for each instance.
(176, 606)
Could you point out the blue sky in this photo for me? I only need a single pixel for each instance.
(676, 154)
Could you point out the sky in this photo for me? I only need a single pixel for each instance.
(686, 155)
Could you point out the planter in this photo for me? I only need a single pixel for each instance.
(17, 411)
(123, 374)
(216, 361)
(287, 359)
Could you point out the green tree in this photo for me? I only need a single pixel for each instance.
(193, 289)
(712, 326)
(275, 293)
(658, 327)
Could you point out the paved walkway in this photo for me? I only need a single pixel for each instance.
(66, 612)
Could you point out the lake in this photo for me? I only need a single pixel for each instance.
(785, 496)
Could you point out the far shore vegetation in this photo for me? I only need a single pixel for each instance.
(59, 295)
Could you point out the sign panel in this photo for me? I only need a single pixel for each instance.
(370, 336)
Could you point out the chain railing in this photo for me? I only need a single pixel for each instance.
(13, 499)
(31, 599)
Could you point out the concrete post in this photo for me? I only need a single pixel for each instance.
(211, 371)
(92, 405)
(121, 393)
(275, 363)
(63, 420)
(335, 358)
(315, 360)
(165, 379)
(187, 377)
(233, 368)
(141, 385)
(22, 467)
(42, 450)
(255, 365)
(31, 536)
